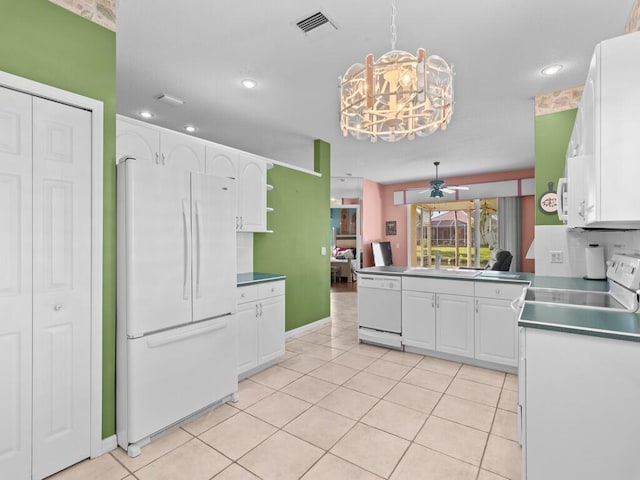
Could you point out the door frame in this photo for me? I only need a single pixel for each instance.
(30, 87)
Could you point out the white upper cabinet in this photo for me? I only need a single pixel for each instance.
(221, 161)
(160, 147)
(173, 150)
(252, 194)
(138, 141)
(605, 135)
(182, 152)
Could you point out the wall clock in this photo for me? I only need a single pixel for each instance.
(548, 201)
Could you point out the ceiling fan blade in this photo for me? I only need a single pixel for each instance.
(459, 188)
(425, 191)
(448, 189)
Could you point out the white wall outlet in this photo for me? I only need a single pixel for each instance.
(323, 251)
(556, 256)
(397, 245)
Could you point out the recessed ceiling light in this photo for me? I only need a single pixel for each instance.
(551, 69)
(146, 114)
(190, 128)
(249, 83)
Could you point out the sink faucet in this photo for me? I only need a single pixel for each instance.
(438, 259)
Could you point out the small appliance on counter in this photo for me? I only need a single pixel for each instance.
(594, 261)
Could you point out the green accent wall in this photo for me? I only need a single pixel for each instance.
(48, 44)
(301, 227)
(552, 133)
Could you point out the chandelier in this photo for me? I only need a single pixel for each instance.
(397, 96)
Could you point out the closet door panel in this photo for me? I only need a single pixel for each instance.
(15, 284)
(61, 285)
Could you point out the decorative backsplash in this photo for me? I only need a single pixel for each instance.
(633, 24)
(558, 101)
(102, 12)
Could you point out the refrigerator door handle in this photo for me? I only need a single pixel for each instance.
(197, 293)
(159, 342)
(187, 253)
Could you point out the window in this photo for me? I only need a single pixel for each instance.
(450, 229)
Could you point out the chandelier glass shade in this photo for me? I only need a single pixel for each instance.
(399, 95)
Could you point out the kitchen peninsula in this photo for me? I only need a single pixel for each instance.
(455, 314)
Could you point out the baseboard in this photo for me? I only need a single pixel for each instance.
(108, 444)
(296, 332)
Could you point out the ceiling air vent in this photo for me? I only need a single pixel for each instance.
(314, 21)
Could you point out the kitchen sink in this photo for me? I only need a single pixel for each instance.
(444, 272)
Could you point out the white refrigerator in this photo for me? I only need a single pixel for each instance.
(176, 297)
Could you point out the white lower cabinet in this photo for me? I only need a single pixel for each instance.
(419, 319)
(454, 324)
(496, 323)
(581, 398)
(470, 319)
(260, 318)
(437, 315)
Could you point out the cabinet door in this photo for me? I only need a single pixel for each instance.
(15, 284)
(496, 331)
(181, 152)
(252, 195)
(61, 286)
(419, 319)
(247, 338)
(213, 249)
(454, 324)
(138, 141)
(270, 329)
(220, 161)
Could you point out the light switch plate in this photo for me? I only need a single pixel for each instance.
(556, 256)
(323, 251)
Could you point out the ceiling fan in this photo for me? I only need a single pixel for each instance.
(439, 187)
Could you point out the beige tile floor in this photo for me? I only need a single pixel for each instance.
(334, 409)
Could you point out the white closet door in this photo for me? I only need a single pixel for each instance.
(214, 250)
(61, 285)
(15, 284)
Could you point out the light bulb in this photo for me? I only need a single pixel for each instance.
(249, 83)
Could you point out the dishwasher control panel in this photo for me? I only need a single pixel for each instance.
(383, 282)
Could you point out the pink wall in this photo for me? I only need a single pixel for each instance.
(372, 219)
(383, 210)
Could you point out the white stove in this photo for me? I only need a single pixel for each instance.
(623, 275)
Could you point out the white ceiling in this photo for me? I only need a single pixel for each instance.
(199, 50)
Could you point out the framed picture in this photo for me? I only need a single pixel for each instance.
(391, 227)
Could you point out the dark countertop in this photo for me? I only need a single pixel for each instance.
(257, 277)
(582, 321)
(567, 283)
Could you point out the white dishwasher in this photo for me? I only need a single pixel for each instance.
(379, 310)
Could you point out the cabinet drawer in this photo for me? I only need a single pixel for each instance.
(248, 293)
(271, 289)
(438, 285)
(499, 291)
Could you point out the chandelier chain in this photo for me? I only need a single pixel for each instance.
(394, 32)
